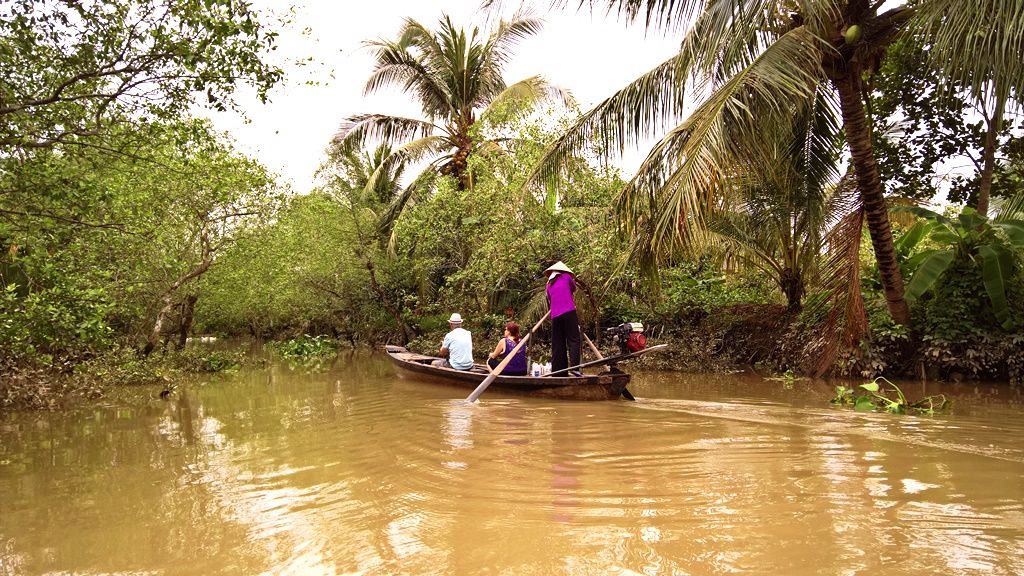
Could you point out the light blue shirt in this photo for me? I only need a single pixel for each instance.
(459, 343)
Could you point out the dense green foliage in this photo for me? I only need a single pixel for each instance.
(287, 276)
(968, 309)
(113, 200)
(969, 241)
(126, 225)
(478, 251)
(71, 70)
(926, 130)
(102, 243)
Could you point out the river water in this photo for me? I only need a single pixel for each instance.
(351, 470)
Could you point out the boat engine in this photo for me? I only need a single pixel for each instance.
(629, 336)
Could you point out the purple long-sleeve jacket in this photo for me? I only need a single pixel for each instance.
(560, 293)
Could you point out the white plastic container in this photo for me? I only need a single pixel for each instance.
(535, 370)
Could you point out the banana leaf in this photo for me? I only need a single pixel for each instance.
(909, 240)
(970, 219)
(923, 213)
(914, 262)
(928, 272)
(946, 235)
(996, 268)
(1014, 230)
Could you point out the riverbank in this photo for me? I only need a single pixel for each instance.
(774, 340)
(54, 387)
(766, 338)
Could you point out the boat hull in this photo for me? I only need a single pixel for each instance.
(604, 386)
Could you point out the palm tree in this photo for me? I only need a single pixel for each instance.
(371, 180)
(367, 183)
(777, 205)
(752, 61)
(456, 78)
(365, 177)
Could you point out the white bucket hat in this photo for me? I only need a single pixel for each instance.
(455, 318)
(559, 267)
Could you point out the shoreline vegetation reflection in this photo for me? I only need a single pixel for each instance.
(283, 469)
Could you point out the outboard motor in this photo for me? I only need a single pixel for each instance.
(629, 336)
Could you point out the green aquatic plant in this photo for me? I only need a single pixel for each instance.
(307, 347)
(788, 378)
(876, 398)
(199, 359)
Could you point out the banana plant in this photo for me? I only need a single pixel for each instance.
(992, 245)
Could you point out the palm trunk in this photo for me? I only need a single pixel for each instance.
(989, 154)
(858, 136)
(792, 285)
(458, 166)
(460, 163)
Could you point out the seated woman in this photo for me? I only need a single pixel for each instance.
(517, 365)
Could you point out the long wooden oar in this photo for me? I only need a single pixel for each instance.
(625, 393)
(501, 366)
(608, 360)
(591, 344)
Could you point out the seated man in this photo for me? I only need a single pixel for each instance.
(457, 347)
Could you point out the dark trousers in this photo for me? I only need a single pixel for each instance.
(493, 363)
(565, 340)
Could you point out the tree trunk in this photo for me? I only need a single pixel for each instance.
(188, 308)
(458, 166)
(793, 287)
(167, 298)
(869, 183)
(154, 334)
(989, 152)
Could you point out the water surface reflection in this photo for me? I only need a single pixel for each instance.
(352, 471)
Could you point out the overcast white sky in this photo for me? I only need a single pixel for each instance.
(590, 54)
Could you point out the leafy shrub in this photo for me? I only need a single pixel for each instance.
(60, 321)
(971, 246)
(490, 326)
(119, 365)
(426, 344)
(879, 349)
(960, 333)
(433, 323)
(697, 286)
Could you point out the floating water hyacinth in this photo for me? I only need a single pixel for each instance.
(876, 399)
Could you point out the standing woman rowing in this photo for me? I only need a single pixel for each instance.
(565, 324)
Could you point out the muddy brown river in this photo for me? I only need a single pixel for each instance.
(351, 470)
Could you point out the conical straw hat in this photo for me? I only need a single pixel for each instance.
(559, 267)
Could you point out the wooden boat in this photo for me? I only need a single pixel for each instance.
(604, 386)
